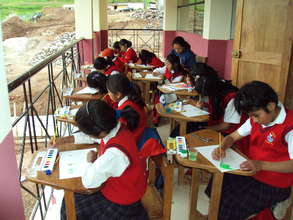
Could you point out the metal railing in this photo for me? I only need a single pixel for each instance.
(57, 78)
(150, 39)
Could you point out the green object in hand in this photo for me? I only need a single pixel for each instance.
(225, 166)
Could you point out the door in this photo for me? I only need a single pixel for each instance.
(263, 42)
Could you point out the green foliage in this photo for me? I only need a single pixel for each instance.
(26, 9)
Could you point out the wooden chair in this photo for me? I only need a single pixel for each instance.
(159, 207)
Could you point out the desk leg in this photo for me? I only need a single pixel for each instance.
(69, 205)
(147, 92)
(182, 132)
(215, 196)
(193, 194)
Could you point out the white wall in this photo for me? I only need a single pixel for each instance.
(170, 15)
(83, 19)
(4, 101)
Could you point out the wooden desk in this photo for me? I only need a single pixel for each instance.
(83, 97)
(139, 67)
(70, 186)
(147, 84)
(179, 92)
(203, 163)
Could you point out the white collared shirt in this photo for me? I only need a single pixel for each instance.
(110, 164)
(121, 102)
(245, 129)
(162, 71)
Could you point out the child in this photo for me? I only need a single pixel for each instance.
(128, 55)
(109, 55)
(172, 71)
(116, 48)
(148, 58)
(181, 48)
(106, 66)
(121, 90)
(97, 81)
(116, 168)
(270, 154)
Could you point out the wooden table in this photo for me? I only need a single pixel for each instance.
(204, 164)
(70, 186)
(139, 67)
(83, 97)
(147, 84)
(184, 92)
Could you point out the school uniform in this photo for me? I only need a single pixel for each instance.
(119, 63)
(110, 102)
(138, 131)
(243, 196)
(171, 76)
(155, 62)
(112, 70)
(123, 176)
(129, 56)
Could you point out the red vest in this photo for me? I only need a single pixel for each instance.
(120, 64)
(112, 68)
(110, 102)
(137, 132)
(156, 62)
(131, 185)
(268, 144)
(170, 76)
(129, 55)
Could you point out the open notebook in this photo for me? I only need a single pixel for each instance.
(87, 90)
(232, 158)
(192, 111)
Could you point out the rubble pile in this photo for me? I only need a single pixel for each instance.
(153, 17)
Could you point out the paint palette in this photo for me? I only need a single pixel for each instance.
(49, 160)
(181, 146)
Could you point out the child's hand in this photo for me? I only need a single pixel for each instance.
(91, 156)
(251, 165)
(199, 104)
(218, 153)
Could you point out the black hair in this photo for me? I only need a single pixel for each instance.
(176, 65)
(96, 116)
(199, 69)
(146, 56)
(209, 84)
(253, 96)
(125, 42)
(182, 42)
(116, 45)
(101, 63)
(120, 83)
(97, 80)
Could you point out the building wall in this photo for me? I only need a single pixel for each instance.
(11, 207)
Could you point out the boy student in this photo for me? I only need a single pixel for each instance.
(270, 154)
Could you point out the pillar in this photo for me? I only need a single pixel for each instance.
(11, 206)
(169, 25)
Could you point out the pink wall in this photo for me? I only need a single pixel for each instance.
(11, 206)
(85, 48)
(100, 41)
(218, 52)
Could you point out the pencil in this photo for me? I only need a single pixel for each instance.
(220, 143)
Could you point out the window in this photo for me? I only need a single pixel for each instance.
(190, 16)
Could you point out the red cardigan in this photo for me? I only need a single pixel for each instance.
(128, 56)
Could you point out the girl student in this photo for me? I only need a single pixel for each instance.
(116, 48)
(182, 49)
(109, 55)
(106, 66)
(116, 168)
(270, 155)
(148, 58)
(126, 93)
(97, 80)
(128, 54)
(172, 71)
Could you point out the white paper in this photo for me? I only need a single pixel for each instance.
(151, 76)
(192, 111)
(73, 163)
(87, 90)
(232, 158)
(67, 91)
(137, 75)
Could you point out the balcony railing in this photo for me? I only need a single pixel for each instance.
(150, 39)
(41, 97)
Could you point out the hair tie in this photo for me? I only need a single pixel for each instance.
(118, 114)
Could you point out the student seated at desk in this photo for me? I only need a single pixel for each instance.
(128, 54)
(116, 168)
(148, 58)
(109, 55)
(172, 71)
(270, 154)
(126, 93)
(97, 80)
(107, 66)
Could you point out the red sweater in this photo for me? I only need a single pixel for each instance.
(112, 68)
(119, 63)
(131, 185)
(268, 144)
(156, 62)
(110, 102)
(129, 56)
(137, 132)
(170, 76)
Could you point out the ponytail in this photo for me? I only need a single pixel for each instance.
(135, 95)
(131, 117)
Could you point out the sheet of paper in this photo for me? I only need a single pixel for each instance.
(151, 76)
(137, 75)
(87, 90)
(232, 158)
(192, 111)
(72, 163)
